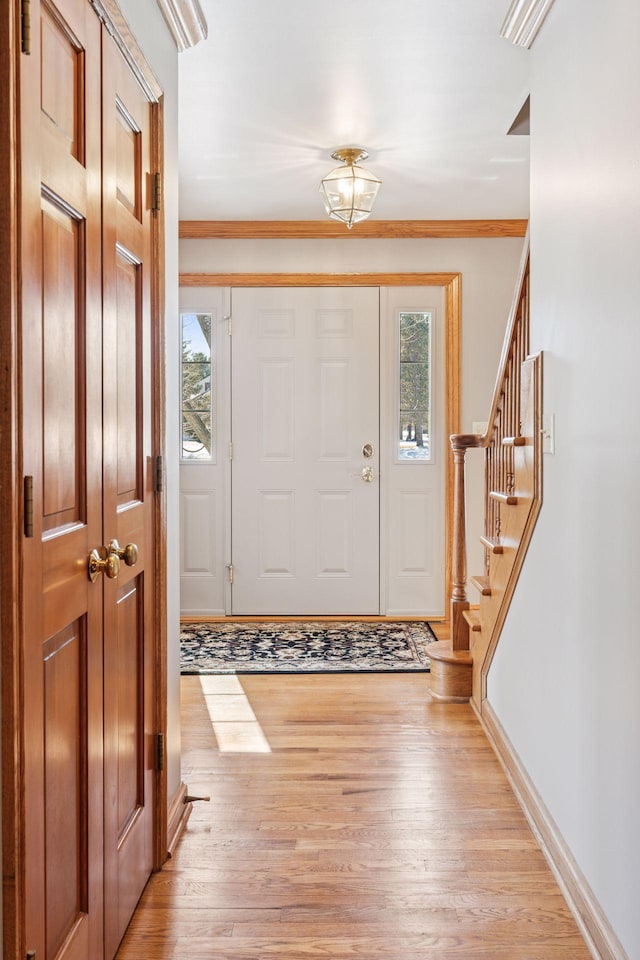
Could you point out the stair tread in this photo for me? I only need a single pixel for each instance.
(482, 584)
(507, 498)
(493, 544)
(441, 650)
(473, 619)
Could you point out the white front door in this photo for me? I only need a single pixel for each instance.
(305, 423)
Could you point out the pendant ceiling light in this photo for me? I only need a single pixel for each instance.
(349, 191)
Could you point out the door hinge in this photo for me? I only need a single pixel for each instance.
(159, 752)
(230, 570)
(28, 506)
(230, 451)
(156, 205)
(158, 478)
(25, 26)
(229, 324)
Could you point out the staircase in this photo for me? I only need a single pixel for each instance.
(513, 495)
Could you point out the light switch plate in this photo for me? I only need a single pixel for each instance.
(548, 433)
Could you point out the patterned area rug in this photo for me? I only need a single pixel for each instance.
(309, 647)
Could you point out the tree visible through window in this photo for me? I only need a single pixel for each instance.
(415, 387)
(197, 408)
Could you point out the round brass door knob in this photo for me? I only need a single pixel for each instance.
(129, 553)
(108, 564)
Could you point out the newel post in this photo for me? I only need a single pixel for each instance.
(459, 628)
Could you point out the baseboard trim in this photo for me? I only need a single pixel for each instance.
(191, 616)
(321, 618)
(177, 816)
(594, 926)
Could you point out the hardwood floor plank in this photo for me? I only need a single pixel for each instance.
(399, 948)
(377, 824)
(435, 922)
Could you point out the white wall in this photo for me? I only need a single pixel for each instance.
(565, 679)
(489, 269)
(150, 30)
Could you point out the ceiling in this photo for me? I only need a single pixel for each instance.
(426, 86)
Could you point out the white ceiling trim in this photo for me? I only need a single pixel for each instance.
(523, 20)
(185, 20)
(109, 12)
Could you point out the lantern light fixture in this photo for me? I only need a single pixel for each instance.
(349, 191)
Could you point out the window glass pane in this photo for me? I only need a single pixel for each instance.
(414, 422)
(197, 387)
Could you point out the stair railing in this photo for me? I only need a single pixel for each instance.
(501, 436)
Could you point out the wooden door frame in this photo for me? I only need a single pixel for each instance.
(452, 284)
(13, 591)
(11, 515)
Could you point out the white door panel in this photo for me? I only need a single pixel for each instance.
(203, 482)
(414, 490)
(305, 525)
(197, 521)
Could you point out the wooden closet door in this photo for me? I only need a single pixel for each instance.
(87, 452)
(61, 398)
(128, 493)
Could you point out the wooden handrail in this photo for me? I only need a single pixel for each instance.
(514, 335)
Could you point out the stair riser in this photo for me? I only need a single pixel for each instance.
(451, 683)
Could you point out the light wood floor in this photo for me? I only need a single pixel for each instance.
(375, 824)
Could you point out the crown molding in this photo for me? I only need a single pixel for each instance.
(185, 20)
(330, 230)
(523, 20)
(110, 14)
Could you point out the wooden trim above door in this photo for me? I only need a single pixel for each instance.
(329, 229)
(317, 279)
(452, 283)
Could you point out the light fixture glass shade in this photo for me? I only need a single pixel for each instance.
(349, 191)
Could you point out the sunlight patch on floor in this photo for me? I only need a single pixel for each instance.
(234, 723)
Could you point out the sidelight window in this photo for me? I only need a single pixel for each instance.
(197, 388)
(414, 401)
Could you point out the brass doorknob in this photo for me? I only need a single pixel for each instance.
(109, 564)
(129, 553)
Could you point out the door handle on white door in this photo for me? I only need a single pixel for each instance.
(367, 474)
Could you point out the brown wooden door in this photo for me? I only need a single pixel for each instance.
(128, 493)
(88, 666)
(62, 451)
